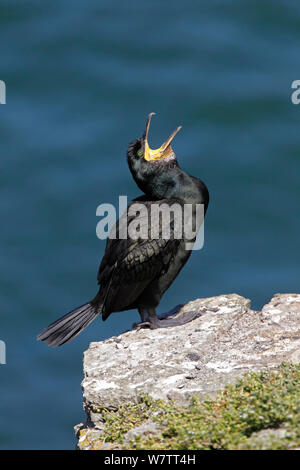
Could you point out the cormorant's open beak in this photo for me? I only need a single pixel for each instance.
(162, 152)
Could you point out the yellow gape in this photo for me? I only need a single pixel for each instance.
(162, 152)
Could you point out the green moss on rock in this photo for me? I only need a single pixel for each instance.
(261, 411)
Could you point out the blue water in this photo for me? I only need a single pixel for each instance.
(81, 78)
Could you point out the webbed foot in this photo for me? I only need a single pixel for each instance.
(173, 318)
(141, 325)
(177, 319)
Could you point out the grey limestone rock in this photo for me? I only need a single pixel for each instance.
(224, 342)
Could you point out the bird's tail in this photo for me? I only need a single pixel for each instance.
(66, 328)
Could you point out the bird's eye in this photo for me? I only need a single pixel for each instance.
(140, 153)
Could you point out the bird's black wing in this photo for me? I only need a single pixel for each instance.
(129, 265)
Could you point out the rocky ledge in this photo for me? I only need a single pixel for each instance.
(226, 341)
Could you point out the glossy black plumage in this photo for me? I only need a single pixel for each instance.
(135, 273)
(130, 267)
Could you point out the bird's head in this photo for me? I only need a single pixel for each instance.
(150, 168)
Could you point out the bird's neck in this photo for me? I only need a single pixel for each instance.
(176, 184)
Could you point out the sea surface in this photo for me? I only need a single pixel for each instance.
(81, 78)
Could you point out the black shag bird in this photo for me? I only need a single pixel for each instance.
(136, 271)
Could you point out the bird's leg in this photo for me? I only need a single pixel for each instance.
(145, 323)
